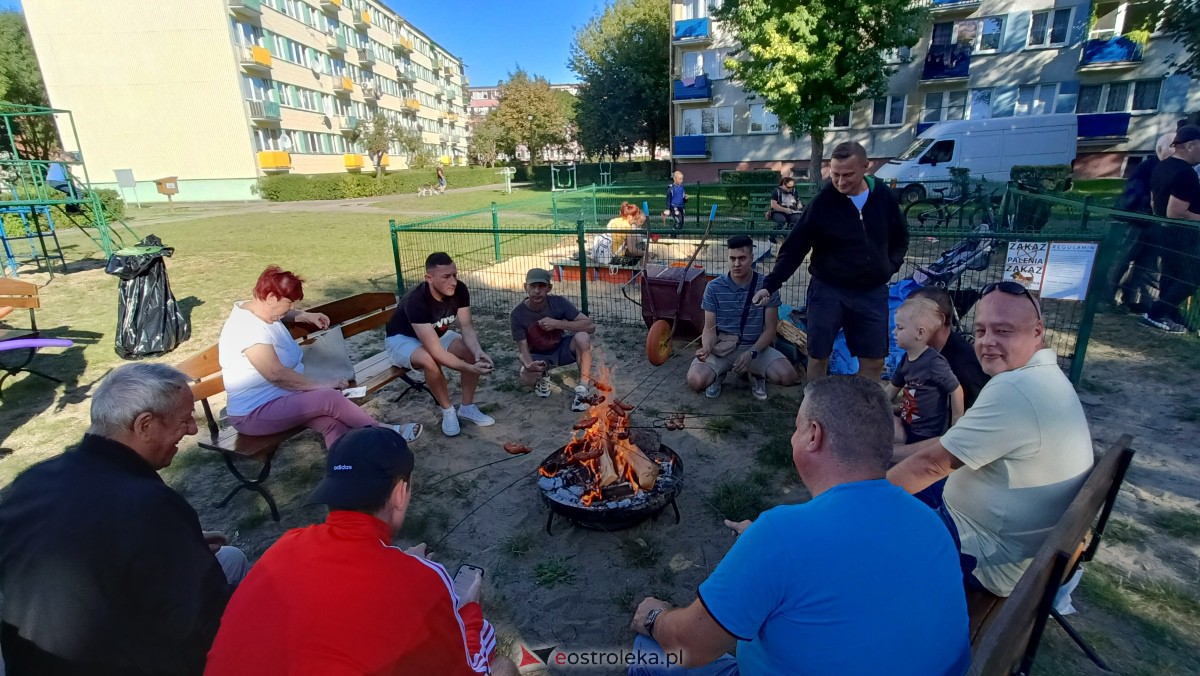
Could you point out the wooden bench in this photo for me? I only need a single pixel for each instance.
(354, 314)
(759, 206)
(1005, 632)
(17, 294)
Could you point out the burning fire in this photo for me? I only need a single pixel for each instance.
(602, 446)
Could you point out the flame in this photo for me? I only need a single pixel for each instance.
(603, 449)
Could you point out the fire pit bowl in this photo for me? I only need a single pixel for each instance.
(621, 507)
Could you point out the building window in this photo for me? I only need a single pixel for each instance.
(940, 106)
(887, 111)
(1050, 29)
(1114, 97)
(1036, 99)
(1114, 18)
(708, 121)
(762, 121)
(840, 121)
(991, 32)
(710, 62)
(898, 55)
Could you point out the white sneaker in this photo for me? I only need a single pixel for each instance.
(714, 390)
(579, 404)
(450, 426)
(471, 412)
(542, 389)
(758, 387)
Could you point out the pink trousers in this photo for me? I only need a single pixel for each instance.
(326, 411)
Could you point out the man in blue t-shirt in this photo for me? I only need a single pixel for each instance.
(862, 579)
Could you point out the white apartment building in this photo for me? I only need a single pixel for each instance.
(221, 92)
(981, 58)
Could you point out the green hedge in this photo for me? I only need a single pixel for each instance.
(743, 184)
(1033, 215)
(110, 201)
(297, 187)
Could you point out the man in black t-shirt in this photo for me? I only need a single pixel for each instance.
(1175, 193)
(419, 336)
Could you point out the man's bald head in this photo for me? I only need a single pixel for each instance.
(1008, 331)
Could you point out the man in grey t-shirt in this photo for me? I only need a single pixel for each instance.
(550, 331)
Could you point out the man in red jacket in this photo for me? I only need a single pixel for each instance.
(337, 598)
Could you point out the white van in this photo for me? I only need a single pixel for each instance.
(989, 148)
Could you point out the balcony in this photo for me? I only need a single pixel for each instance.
(331, 5)
(250, 9)
(439, 93)
(365, 58)
(353, 161)
(348, 124)
(1102, 128)
(335, 44)
(362, 20)
(1110, 53)
(369, 91)
(692, 32)
(383, 161)
(255, 59)
(343, 85)
(690, 147)
(411, 106)
(451, 93)
(405, 74)
(274, 161)
(947, 62)
(692, 90)
(949, 7)
(263, 112)
(402, 44)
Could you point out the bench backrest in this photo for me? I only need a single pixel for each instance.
(355, 314)
(15, 293)
(1011, 638)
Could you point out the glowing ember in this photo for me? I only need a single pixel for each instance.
(601, 445)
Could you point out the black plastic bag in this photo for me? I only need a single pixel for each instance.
(148, 318)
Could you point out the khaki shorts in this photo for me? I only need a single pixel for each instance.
(758, 366)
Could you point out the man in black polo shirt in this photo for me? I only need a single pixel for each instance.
(419, 336)
(858, 239)
(1175, 193)
(103, 567)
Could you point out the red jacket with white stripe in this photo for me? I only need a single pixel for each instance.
(337, 599)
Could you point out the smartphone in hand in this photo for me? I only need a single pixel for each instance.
(466, 583)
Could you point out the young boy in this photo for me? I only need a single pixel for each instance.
(676, 199)
(924, 376)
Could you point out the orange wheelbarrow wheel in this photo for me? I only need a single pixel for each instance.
(658, 342)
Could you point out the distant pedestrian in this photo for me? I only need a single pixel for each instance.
(1175, 193)
(676, 201)
(441, 177)
(786, 207)
(1136, 275)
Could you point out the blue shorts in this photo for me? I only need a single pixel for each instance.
(560, 356)
(863, 315)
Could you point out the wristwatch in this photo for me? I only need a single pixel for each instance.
(650, 618)
(754, 354)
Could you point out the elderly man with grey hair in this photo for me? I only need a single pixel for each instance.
(103, 567)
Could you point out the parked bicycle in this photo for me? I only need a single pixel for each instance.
(965, 211)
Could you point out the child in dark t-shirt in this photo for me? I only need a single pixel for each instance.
(932, 398)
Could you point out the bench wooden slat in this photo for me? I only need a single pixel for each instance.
(375, 372)
(201, 365)
(1017, 620)
(15, 293)
(244, 445)
(345, 309)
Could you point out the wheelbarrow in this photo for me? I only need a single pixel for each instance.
(671, 298)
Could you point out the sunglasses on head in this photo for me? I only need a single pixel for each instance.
(1012, 289)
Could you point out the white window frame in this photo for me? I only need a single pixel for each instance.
(1133, 97)
(709, 62)
(718, 112)
(768, 122)
(1048, 44)
(890, 99)
(944, 106)
(833, 125)
(977, 48)
(1105, 91)
(1038, 94)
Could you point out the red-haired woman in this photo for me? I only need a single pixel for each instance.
(627, 246)
(264, 376)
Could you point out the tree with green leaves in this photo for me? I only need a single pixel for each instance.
(21, 83)
(623, 57)
(487, 139)
(1181, 21)
(812, 60)
(530, 114)
(376, 138)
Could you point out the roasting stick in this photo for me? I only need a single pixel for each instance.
(472, 469)
(480, 506)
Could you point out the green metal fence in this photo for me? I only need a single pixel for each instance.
(495, 247)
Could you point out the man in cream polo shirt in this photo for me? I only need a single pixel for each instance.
(1019, 455)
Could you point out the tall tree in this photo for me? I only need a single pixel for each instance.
(21, 83)
(809, 61)
(623, 57)
(376, 137)
(1181, 20)
(487, 139)
(530, 115)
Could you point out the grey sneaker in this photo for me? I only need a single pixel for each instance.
(471, 412)
(714, 390)
(542, 388)
(1165, 324)
(579, 404)
(758, 387)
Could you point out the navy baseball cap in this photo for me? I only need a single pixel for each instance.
(362, 469)
(1187, 133)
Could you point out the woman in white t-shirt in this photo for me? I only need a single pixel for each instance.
(264, 375)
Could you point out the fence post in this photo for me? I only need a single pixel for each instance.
(1083, 222)
(554, 207)
(1096, 287)
(496, 230)
(595, 216)
(396, 258)
(581, 242)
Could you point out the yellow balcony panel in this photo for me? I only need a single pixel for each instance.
(383, 161)
(403, 44)
(362, 19)
(353, 161)
(331, 5)
(274, 160)
(255, 58)
(412, 104)
(343, 85)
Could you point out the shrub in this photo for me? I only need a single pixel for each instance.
(742, 184)
(1030, 214)
(110, 202)
(297, 187)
